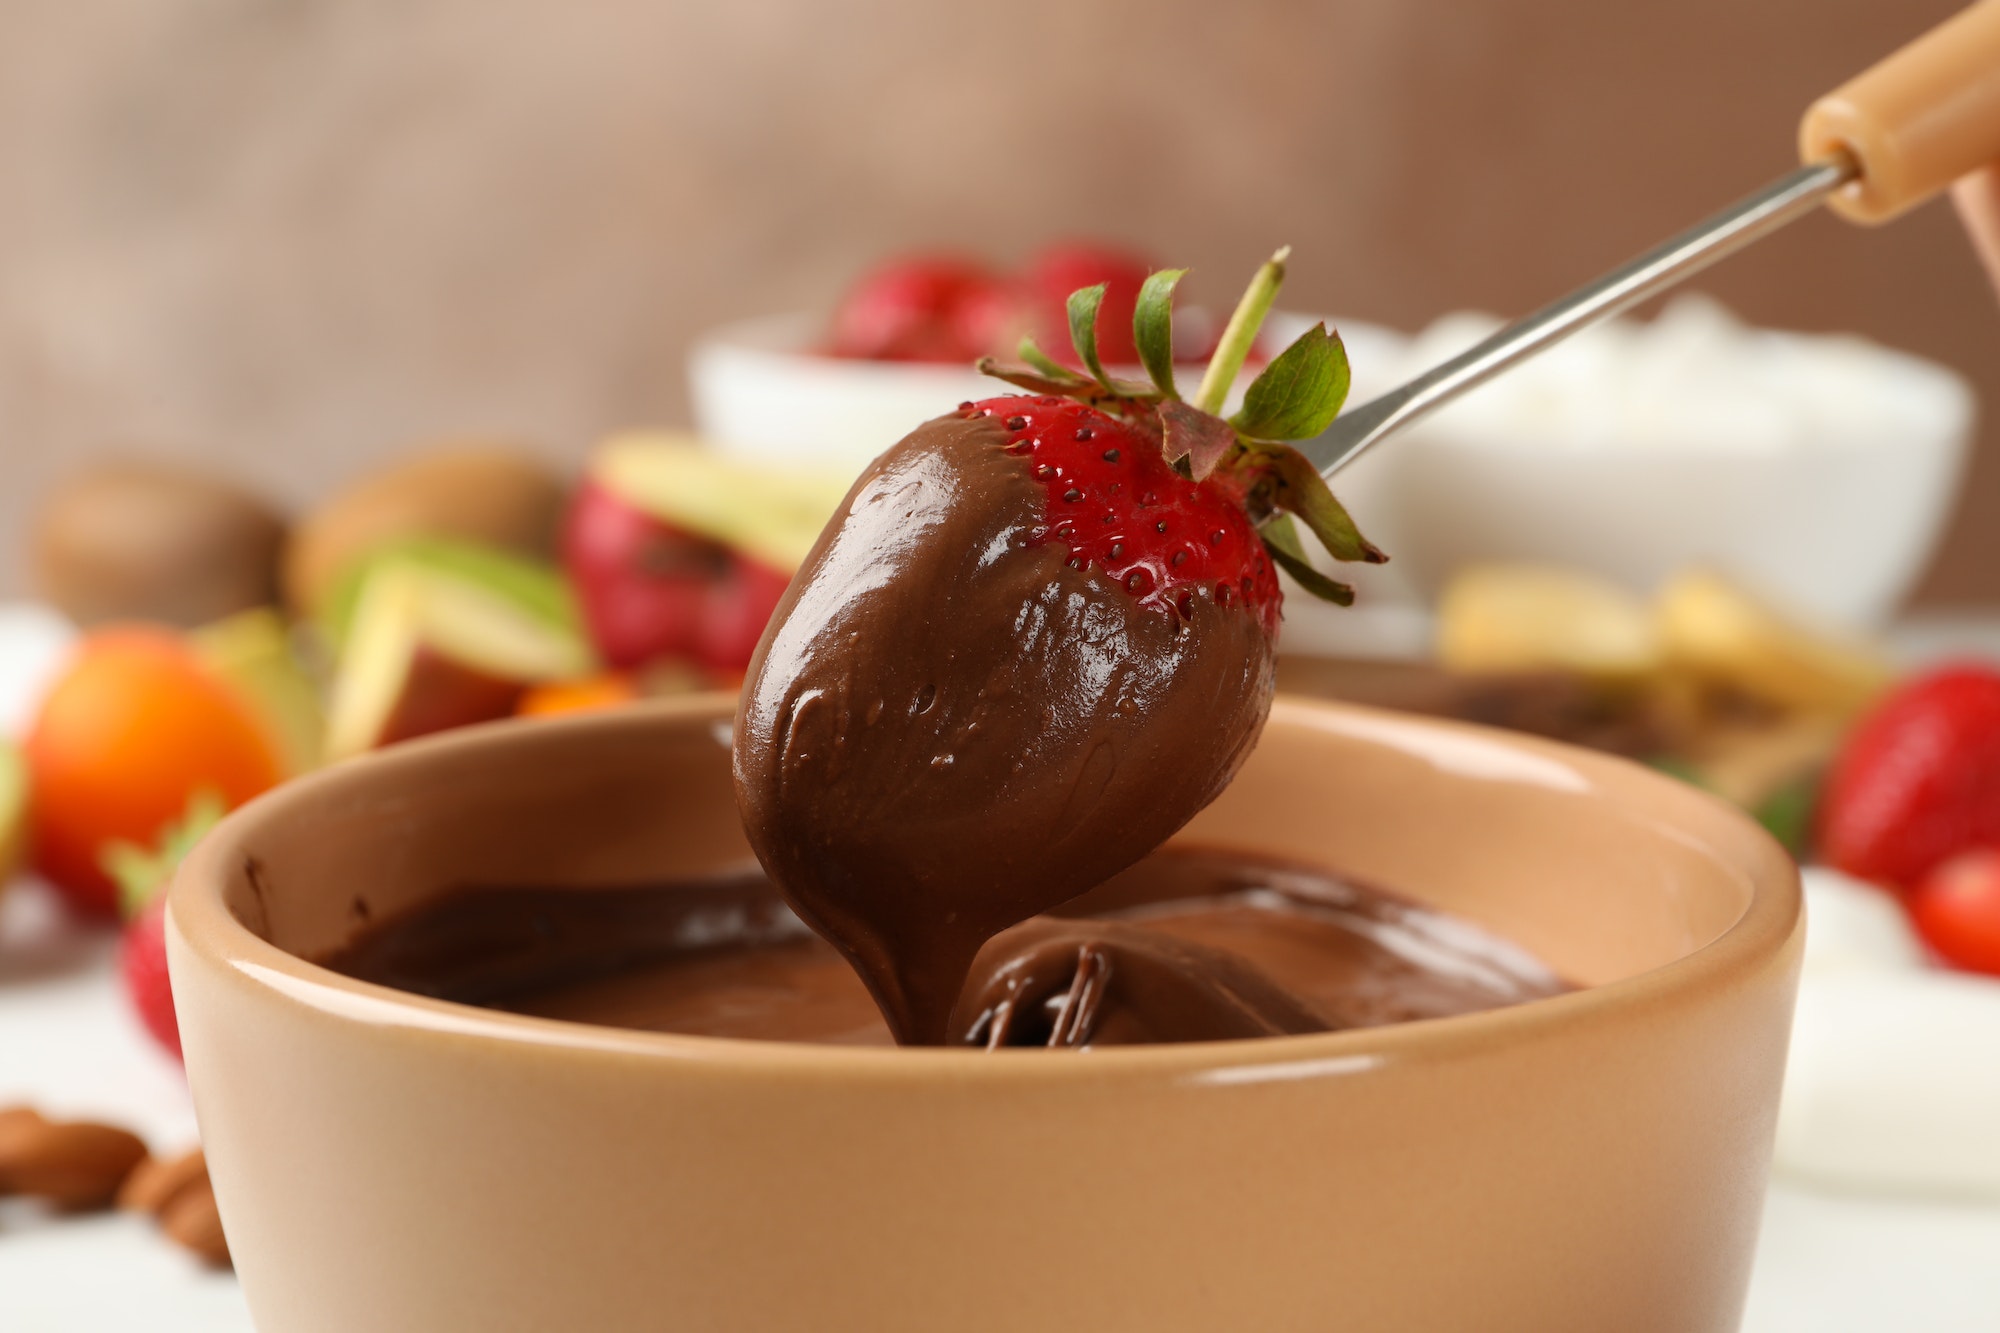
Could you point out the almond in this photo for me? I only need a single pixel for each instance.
(73, 1165)
(191, 1219)
(19, 1127)
(154, 1184)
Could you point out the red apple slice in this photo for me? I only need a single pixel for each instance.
(675, 553)
(427, 650)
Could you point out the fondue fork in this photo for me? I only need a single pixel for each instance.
(1877, 146)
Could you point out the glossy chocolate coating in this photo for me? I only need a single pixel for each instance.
(948, 729)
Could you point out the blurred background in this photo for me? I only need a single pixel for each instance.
(309, 248)
(292, 238)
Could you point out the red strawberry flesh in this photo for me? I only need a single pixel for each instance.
(142, 960)
(1919, 779)
(1114, 502)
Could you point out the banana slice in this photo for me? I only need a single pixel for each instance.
(1715, 629)
(1507, 617)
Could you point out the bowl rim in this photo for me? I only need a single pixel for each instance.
(1771, 925)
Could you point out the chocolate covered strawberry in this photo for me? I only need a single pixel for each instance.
(1037, 638)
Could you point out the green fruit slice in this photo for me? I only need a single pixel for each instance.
(534, 588)
(430, 646)
(252, 653)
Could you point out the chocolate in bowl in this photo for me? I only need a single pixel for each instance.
(1190, 944)
(1592, 1160)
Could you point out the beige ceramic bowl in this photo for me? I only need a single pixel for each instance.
(1591, 1162)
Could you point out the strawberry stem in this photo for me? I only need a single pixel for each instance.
(1241, 334)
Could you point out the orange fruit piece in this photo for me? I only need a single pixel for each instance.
(577, 696)
(134, 728)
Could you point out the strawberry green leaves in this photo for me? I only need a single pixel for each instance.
(1190, 437)
(1300, 393)
(1153, 329)
(1047, 365)
(1084, 303)
(1025, 377)
(1192, 434)
(1297, 487)
(1281, 539)
(1240, 334)
(1296, 397)
(1039, 373)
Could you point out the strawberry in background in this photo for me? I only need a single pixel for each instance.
(1069, 266)
(922, 308)
(142, 875)
(1956, 909)
(1918, 780)
(1913, 802)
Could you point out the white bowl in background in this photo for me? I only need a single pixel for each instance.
(762, 394)
(1818, 470)
(761, 391)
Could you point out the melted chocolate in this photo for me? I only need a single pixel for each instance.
(1054, 982)
(1188, 945)
(948, 729)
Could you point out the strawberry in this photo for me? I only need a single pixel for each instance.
(142, 877)
(925, 308)
(1956, 908)
(142, 961)
(1038, 637)
(1069, 266)
(1112, 499)
(1918, 780)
